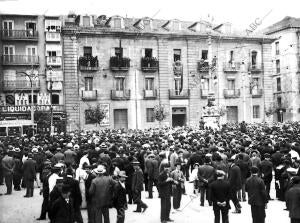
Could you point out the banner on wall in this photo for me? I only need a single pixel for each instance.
(105, 121)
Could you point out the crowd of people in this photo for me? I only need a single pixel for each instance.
(106, 169)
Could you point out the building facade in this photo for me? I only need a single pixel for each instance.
(286, 65)
(128, 66)
(31, 73)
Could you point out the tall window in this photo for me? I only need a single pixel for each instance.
(120, 84)
(150, 114)
(253, 58)
(231, 84)
(34, 99)
(117, 23)
(88, 83)
(279, 102)
(256, 111)
(177, 55)
(177, 86)
(231, 57)
(55, 99)
(149, 84)
(148, 52)
(278, 84)
(204, 54)
(277, 48)
(87, 51)
(119, 52)
(86, 21)
(277, 66)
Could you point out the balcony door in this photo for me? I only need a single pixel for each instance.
(8, 26)
(30, 28)
(120, 118)
(120, 83)
(149, 87)
(178, 86)
(31, 54)
(8, 53)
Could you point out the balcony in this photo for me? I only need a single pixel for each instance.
(232, 93)
(149, 64)
(88, 63)
(204, 93)
(89, 95)
(203, 66)
(19, 35)
(231, 67)
(254, 68)
(19, 60)
(53, 61)
(176, 94)
(256, 93)
(20, 85)
(150, 94)
(120, 95)
(53, 36)
(119, 63)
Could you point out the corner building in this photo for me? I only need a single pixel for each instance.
(128, 66)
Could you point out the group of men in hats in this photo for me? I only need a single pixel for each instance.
(223, 165)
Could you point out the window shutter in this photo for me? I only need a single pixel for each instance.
(143, 52)
(112, 52)
(154, 53)
(122, 23)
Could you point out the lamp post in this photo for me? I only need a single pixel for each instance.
(51, 104)
(30, 76)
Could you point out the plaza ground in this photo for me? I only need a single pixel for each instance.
(15, 209)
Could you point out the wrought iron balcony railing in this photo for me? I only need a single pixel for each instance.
(54, 61)
(120, 94)
(19, 34)
(119, 63)
(177, 94)
(203, 66)
(255, 68)
(231, 67)
(256, 93)
(232, 93)
(149, 64)
(88, 63)
(89, 95)
(19, 60)
(150, 94)
(13, 85)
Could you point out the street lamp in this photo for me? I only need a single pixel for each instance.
(51, 105)
(30, 77)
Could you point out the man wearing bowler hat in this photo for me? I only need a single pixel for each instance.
(120, 200)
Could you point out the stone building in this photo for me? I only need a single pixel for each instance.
(286, 65)
(128, 66)
(30, 49)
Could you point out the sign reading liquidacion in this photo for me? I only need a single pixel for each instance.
(27, 108)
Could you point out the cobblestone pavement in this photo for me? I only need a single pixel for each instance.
(16, 209)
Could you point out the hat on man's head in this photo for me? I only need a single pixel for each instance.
(135, 163)
(196, 164)
(220, 173)
(122, 174)
(59, 180)
(17, 150)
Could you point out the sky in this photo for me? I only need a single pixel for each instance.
(240, 13)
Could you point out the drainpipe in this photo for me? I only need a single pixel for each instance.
(263, 81)
(188, 81)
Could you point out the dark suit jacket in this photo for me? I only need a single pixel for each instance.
(165, 188)
(257, 194)
(245, 170)
(137, 181)
(293, 201)
(61, 211)
(119, 200)
(234, 177)
(75, 191)
(220, 192)
(206, 172)
(152, 168)
(101, 191)
(29, 170)
(266, 168)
